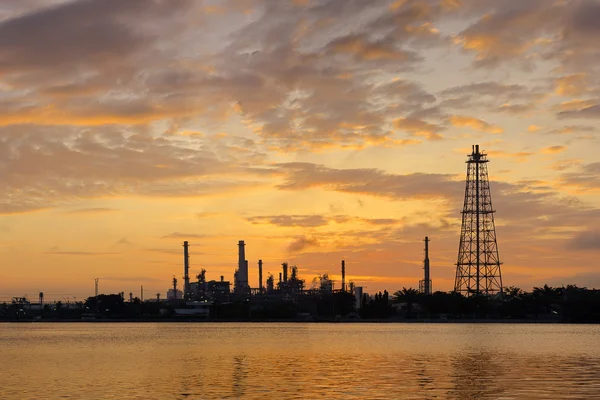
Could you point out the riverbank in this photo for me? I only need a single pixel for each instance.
(342, 321)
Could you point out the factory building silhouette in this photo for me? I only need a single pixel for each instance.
(199, 296)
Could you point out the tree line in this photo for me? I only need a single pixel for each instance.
(554, 304)
(564, 304)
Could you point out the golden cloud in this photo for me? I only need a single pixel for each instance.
(571, 85)
(574, 105)
(479, 125)
(554, 149)
(369, 51)
(419, 127)
(451, 4)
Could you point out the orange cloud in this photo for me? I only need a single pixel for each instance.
(94, 116)
(474, 123)
(419, 127)
(554, 149)
(574, 105)
(521, 156)
(369, 51)
(451, 4)
(566, 164)
(571, 85)
(426, 28)
(488, 46)
(302, 243)
(397, 4)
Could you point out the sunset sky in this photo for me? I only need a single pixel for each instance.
(315, 130)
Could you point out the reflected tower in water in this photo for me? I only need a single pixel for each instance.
(477, 375)
(240, 374)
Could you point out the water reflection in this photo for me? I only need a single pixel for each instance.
(191, 372)
(425, 379)
(240, 373)
(290, 361)
(476, 376)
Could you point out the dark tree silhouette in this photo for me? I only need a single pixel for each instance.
(408, 296)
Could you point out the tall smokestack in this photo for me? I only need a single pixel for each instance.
(142, 293)
(343, 276)
(427, 278)
(175, 288)
(241, 283)
(260, 285)
(285, 271)
(280, 277)
(186, 271)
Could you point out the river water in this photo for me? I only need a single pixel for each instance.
(298, 361)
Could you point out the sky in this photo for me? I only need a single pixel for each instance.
(314, 130)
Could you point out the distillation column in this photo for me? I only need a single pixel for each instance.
(343, 276)
(260, 284)
(425, 284)
(242, 272)
(186, 271)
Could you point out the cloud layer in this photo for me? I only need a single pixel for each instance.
(314, 130)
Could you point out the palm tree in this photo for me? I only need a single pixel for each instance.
(513, 292)
(514, 302)
(547, 296)
(408, 296)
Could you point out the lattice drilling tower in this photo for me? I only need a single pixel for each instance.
(478, 265)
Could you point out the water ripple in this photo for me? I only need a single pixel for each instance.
(299, 361)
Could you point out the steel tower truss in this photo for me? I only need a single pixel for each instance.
(478, 265)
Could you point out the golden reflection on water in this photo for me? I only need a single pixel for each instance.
(299, 361)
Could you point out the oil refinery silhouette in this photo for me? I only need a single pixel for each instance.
(477, 268)
(478, 290)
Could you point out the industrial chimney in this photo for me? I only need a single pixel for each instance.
(343, 276)
(260, 285)
(186, 271)
(241, 283)
(425, 284)
(285, 271)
